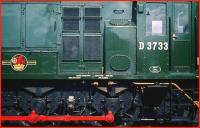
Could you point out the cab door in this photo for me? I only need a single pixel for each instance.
(181, 42)
(152, 38)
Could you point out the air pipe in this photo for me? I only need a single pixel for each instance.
(33, 117)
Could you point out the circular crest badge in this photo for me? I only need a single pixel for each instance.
(18, 62)
(155, 69)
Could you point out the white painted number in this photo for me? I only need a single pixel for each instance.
(149, 46)
(160, 46)
(154, 46)
(165, 46)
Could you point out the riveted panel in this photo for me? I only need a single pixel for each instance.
(11, 19)
(41, 25)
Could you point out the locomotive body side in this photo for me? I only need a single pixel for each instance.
(131, 47)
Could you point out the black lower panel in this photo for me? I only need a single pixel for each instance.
(154, 105)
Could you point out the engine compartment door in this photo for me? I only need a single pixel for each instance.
(41, 25)
(11, 27)
(82, 41)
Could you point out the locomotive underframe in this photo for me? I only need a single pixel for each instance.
(131, 103)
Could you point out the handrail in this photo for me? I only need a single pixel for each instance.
(195, 103)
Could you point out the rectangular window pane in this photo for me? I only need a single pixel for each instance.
(92, 48)
(92, 11)
(71, 11)
(70, 47)
(92, 25)
(155, 19)
(71, 20)
(181, 18)
(71, 25)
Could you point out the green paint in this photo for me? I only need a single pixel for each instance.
(35, 30)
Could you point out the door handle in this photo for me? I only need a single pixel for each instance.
(174, 37)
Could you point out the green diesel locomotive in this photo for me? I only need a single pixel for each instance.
(136, 61)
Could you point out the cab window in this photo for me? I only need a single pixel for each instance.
(155, 19)
(181, 18)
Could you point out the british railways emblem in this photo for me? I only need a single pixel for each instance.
(19, 62)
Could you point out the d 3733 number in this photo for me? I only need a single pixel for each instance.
(153, 46)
